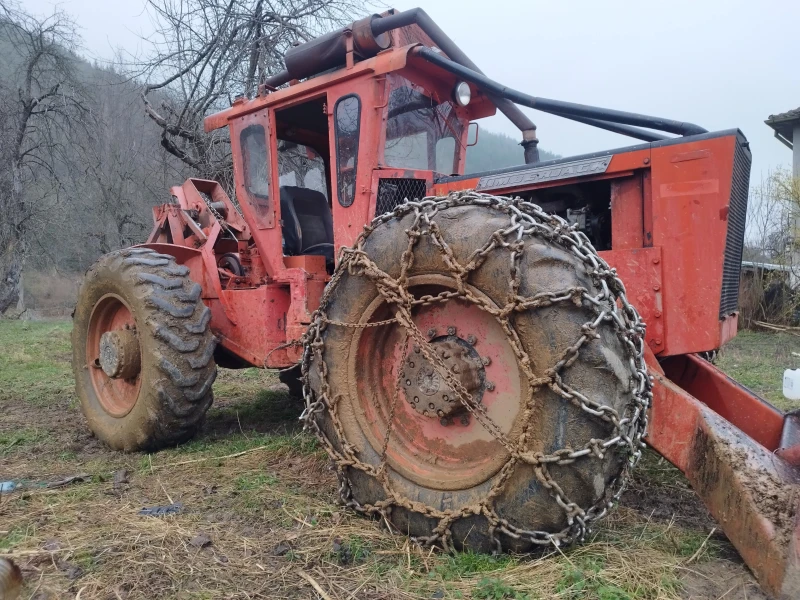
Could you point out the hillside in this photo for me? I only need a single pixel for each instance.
(496, 151)
(91, 163)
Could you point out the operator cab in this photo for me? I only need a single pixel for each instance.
(317, 160)
(420, 136)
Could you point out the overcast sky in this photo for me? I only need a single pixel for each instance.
(718, 63)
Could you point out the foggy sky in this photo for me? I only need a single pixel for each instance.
(718, 63)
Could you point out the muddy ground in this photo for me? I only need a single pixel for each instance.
(259, 517)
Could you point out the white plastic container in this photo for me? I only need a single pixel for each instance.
(791, 384)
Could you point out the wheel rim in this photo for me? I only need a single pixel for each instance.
(117, 394)
(438, 451)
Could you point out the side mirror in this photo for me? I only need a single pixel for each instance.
(469, 134)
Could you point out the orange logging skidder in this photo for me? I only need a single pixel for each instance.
(467, 351)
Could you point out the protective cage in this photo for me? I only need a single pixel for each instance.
(393, 192)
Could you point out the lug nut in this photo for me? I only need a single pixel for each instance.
(485, 360)
(489, 386)
(446, 398)
(408, 382)
(431, 332)
(416, 349)
(456, 369)
(416, 399)
(444, 422)
(440, 412)
(471, 339)
(431, 405)
(411, 363)
(465, 420)
(451, 330)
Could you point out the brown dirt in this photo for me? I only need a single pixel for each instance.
(720, 579)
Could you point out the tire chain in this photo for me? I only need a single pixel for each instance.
(610, 306)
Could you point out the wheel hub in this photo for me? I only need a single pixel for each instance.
(119, 354)
(428, 392)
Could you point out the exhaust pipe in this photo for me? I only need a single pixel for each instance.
(330, 51)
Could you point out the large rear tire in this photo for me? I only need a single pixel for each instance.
(479, 385)
(292, 378)
(142, 351)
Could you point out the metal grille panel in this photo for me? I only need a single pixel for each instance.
(393, 192)
(737, 214)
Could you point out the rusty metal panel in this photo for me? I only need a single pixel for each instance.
(640, 270)
(690, 188)
(627, 218)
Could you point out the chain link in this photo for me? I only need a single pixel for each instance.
(217, 215)
(610, 309)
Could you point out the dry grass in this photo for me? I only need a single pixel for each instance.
(271, 517)
(260, 493)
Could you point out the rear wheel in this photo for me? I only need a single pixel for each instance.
(477, 375)
(142, 351)
(293, 379)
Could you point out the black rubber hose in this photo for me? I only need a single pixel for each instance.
(558, 107)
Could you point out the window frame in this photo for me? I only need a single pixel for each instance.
(244, 135)
(336, 136)
(433, 92)
(260, 208)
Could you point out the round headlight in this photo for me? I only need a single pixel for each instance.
(462, 93)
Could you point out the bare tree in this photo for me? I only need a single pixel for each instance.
(123, 171)
(42, 108)
(206, 52)
(773, 246)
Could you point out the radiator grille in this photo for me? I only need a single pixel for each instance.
(737, 214)
(393, 192)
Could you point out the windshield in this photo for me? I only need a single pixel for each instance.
(420, 134)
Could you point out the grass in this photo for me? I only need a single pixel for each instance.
(260, 490)
(20, 440)
(35, 361)
(757, 361)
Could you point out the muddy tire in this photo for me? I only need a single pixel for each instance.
(446, 478)
(142, 351)
(293, 379)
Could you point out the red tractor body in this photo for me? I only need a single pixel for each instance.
(677, 211)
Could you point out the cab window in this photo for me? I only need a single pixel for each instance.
(255, 165)
(301, 166)
(420, 133)
(347, 123)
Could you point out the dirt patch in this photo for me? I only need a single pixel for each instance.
(659, 491)
(720, 579)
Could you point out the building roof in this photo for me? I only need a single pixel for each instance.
(784, 124)
(749, 265)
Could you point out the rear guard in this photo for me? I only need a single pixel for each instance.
(727, 441)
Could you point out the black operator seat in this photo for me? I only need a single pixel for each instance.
(307, 223)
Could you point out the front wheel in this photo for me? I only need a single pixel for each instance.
(477, 374)
(142, 351)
